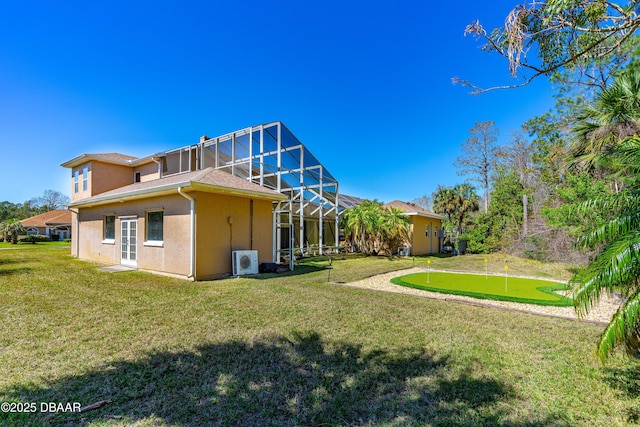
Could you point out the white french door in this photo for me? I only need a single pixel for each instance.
(128, 241)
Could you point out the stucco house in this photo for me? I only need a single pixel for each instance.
(186, 211)
(55, 224)
(426, 233)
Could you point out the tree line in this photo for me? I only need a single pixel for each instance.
(567, 185)
(11, 214)
(50, 200)
(580, 164)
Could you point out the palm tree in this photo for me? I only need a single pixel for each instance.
(362, 223)
(456, 203)
(396, 227)
(374, 228)
(609, 134)
(13, 228)
(600, 128)
(466, 201)
(444, 201)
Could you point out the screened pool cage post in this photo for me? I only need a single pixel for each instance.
(271, 156)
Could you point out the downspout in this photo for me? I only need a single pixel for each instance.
(159, 163)
(76, 233)
(192, 232)
(251, 224)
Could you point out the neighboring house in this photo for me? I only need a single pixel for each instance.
(55, 224)
(426, 228)
(183, 212)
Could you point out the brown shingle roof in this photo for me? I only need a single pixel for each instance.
(412, 209)
(55, 217)
(208, 179)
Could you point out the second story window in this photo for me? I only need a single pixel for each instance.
(76, 177)
(85, 179)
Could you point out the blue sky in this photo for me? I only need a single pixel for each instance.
(366, 86)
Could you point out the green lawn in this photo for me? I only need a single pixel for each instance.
(9, 245)
(503, 288)
(288, 349)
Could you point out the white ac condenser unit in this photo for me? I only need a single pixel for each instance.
(244, 262)
(404, 251)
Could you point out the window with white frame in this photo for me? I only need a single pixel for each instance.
(85, 179)
(76, 178)
(155, 222)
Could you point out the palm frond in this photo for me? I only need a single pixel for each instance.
(628, 154)
(623, 329)
(613, 268)
(610, 230)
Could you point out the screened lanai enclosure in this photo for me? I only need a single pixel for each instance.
(271, 156)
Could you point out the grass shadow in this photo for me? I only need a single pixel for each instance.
(298, 270)
(303, 380)
(6, 261)
(627, 381)
(16, 270)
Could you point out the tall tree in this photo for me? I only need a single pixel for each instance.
(517, 156)
(479, 156)
(423, 201)
(499, 227)
(548, 146)
(51, 200)
(586, 40)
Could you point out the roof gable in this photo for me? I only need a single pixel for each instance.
(412, 209)
(55, 217)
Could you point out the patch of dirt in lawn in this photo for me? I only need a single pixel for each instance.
(600, 314)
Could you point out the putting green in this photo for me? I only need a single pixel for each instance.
(516, 289)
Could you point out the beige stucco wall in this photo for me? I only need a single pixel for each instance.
(105, 176)
(421, 244)
(217, 238)
(74, 238)
(172, 257)
(148, 172)
(80, 194)
(102, 177)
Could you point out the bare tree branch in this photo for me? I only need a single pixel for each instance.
(589, 30)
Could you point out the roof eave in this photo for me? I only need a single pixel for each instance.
(173, 188)
(212, 188)
(132, 195)
(434, 216)
(84, 158)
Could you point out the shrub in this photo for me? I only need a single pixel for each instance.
(33, 238)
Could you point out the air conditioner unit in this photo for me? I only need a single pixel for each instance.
(406, 251)
(244, 262)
